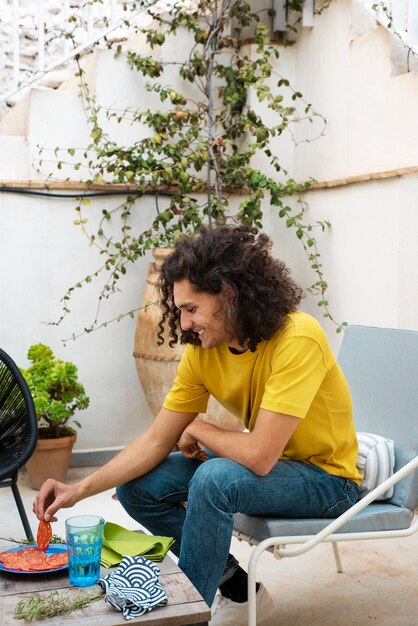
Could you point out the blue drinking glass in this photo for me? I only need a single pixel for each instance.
(84, 541)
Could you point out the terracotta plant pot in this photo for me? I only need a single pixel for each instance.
(157, 365)
(51, 459)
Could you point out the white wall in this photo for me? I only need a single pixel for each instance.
(369, 256)
(344, 68)
(42, 254)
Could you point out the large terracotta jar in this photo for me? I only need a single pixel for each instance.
(157, 365)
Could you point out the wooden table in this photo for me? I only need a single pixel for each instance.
(185, 605)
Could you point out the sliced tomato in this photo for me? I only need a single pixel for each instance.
(59, 559)
(33, 553)
(44, 535)
(11, 562)
(3, 555)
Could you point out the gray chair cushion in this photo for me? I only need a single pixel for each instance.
(375, 517)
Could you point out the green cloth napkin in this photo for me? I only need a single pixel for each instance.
(119, 542)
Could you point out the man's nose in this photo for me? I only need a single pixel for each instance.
(186, 321)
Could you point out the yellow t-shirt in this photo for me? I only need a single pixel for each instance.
(295, 373)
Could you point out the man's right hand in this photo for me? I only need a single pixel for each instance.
(190, 448)
(53, 496)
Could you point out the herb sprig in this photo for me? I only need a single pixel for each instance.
(31, 542)
(55, 603)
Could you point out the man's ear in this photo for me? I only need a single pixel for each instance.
(230, 292)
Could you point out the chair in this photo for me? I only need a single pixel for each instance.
(381, 367)
(18, 430)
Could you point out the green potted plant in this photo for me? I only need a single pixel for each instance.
(57, 396)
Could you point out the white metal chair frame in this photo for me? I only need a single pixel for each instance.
(277, 545)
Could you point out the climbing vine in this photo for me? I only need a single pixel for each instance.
(220, 111)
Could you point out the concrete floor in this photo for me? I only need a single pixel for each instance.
(379, 584)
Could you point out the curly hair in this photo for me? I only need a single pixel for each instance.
(230, 256)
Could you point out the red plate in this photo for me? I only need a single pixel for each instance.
(54, 548)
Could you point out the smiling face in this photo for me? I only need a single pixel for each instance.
(205, 314)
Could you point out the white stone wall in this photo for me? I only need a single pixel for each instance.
(42, 254)
(369, 255)
(57, 46)
(344, 66)
(28, 26)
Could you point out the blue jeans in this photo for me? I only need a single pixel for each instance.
(215, 490)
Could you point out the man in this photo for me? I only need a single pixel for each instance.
(236, 309)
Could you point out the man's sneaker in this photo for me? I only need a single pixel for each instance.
(229, 613)
(216, 602)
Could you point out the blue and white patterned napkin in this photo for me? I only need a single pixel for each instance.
(133, 587)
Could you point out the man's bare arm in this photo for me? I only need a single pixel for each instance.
(139, 457)
(258, 450)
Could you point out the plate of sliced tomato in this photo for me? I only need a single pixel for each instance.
(39, 559)
(32, 560)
